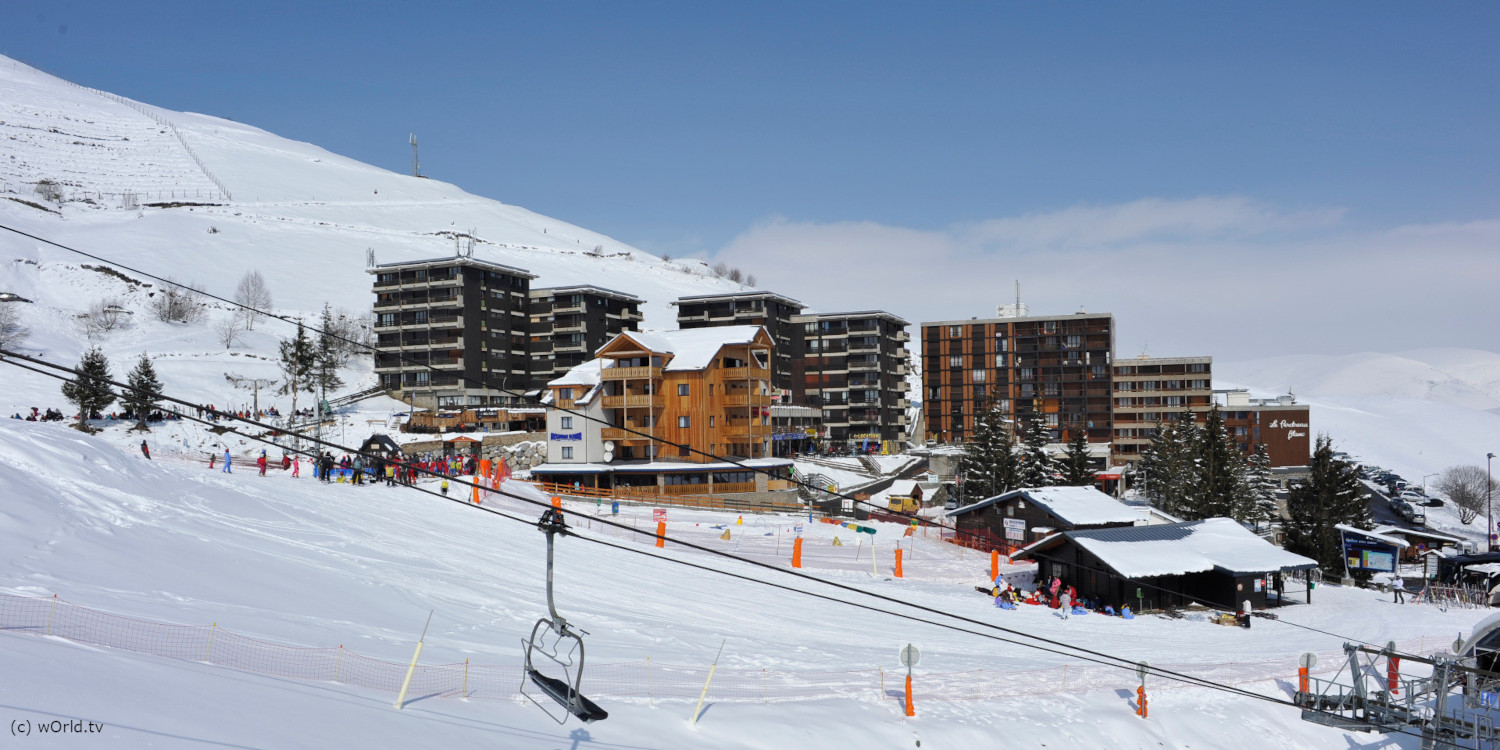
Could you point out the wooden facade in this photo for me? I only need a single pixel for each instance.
(723, 408)
(984, 524)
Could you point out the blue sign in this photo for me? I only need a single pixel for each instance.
(1364, 553)
(565, 436)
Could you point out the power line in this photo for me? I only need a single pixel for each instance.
(1053, 646)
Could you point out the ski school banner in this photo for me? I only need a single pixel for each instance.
(565, 436)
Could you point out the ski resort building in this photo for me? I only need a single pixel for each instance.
(1023, 516)
(1152, 391)
(568, 324)
(854, 367)
(1280, 423)
(770, 311)
(451, 332)
(1057, 365)
(672, 401)
(1215, 561)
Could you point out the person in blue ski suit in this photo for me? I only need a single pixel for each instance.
(228, 459)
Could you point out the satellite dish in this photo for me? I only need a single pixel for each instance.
(609, 456)
(609, 446)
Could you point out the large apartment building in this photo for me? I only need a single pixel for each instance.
(854, 366)
(1057, 365)
(1281, 424)
(451, 332)
(568, 324)
(773, 312)
(706, 388)
(1152, 391)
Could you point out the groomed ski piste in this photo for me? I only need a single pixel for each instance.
(302, 563)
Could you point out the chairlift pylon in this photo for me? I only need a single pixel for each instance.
(558, 644)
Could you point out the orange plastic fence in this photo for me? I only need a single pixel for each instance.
(644, 680)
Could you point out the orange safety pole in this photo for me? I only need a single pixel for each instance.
(1302, 679)
(898, 562)
(556, 502)
(797, 552)
(1393, 674)
(910, 709)
(1140, 700)
(475, 496)
(661, 533)
(994, 564)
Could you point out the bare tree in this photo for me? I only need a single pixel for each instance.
(102, 318)
(228, 330)
(750, 280)
(721, 269)
(12, 333)
(252, 293)
(1468, 488)
(48, 190)
(666, 257)
(736, 275)
(173, 302)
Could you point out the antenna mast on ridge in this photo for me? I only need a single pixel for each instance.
(416, 166)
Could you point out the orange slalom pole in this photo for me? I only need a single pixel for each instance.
(661, 533)
(475, 496)
(797, 552)
(994, 564)
(1140, 699)
(911, 710)
(898, 562)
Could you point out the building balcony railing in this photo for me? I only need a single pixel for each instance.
(573, 328)
(745, 373)
(630, 402)
(746, 399)
(570, 347)
(864, 365)
(632, 373)
(561, 309)
(752, 432)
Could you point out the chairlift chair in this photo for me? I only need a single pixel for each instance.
(560, 647)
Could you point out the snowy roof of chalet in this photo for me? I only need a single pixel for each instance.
(1079, 506)
(1421, 533)
(902, 487)
(586, 375)
(1220, 544)
(693, 348)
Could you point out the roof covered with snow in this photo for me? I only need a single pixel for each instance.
(1220, 544)
(691, 348)
(1376, 535)
(1077, 506)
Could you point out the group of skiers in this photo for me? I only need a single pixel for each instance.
(53, 415)
(1057, 595)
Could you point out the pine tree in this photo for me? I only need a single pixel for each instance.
(144, 394)
(297, 360)
(988, 464)
(1331, 495)
(1168, 468)
(1220, 487)
(1076, 471)
(1035, 468)
(1260, 486)
(328, 358)
(89, 391)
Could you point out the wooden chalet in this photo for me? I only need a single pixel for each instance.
(1019, 517)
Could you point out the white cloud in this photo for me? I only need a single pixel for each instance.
(1221, 276)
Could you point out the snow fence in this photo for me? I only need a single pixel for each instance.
(645, 681)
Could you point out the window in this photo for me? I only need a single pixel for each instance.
(955, 331)
(955, 360)
(682, 389)
(1073, 342)
(1000, 360)
(683, 451)
(710, 421)
(567, 451)
(684, 421)
(567, 423)
(565, 394)
(976, 376)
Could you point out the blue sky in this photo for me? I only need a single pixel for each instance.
(1215, 135)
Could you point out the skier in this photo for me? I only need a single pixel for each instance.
(228, 462)
(211, 458)
(1066, 603)
(445, 488)
(145, 451)
(297, 467)
(1399, 587)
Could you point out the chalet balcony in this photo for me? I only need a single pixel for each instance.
(631, 402)
(745, 373)
(740, 399)
(632, 373)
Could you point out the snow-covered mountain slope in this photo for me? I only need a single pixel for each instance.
(302, 216)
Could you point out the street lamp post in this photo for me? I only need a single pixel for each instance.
(1489, 502)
